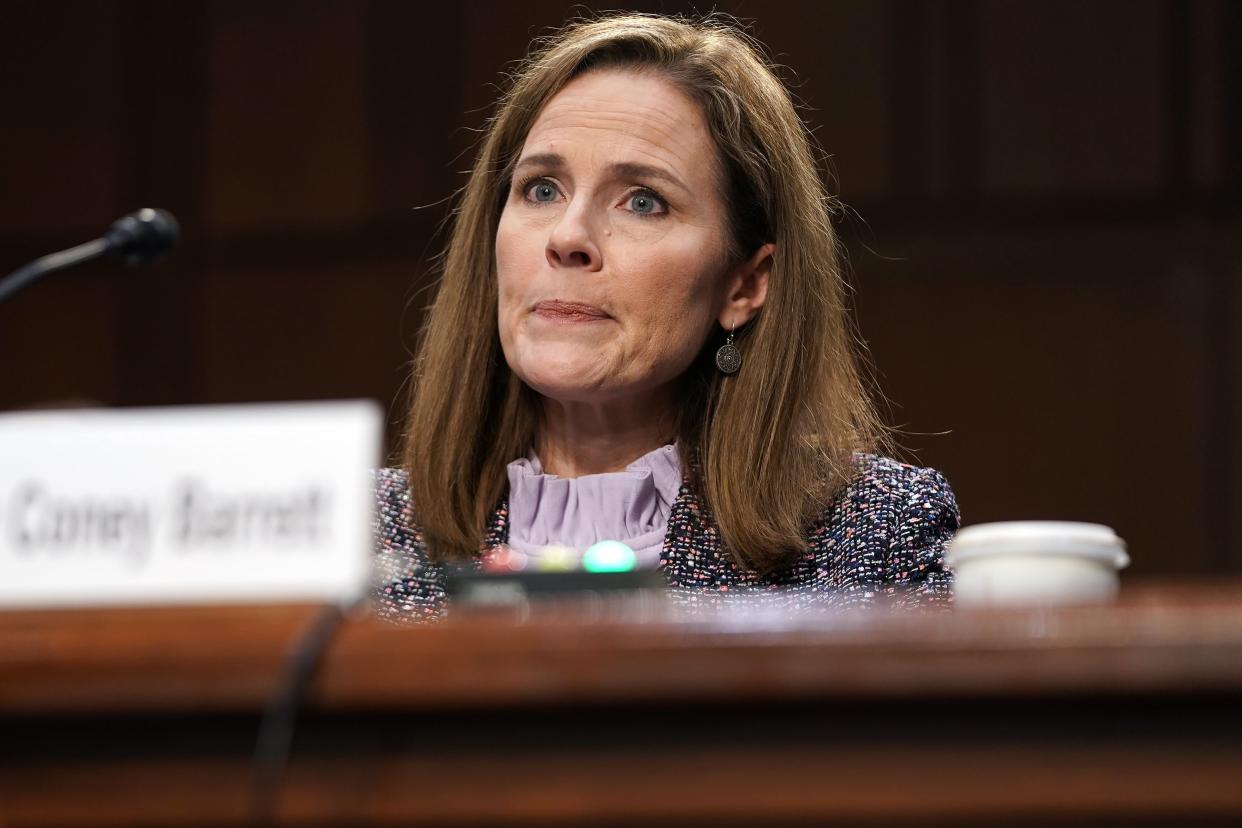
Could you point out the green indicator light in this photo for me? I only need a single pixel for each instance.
(609, 556)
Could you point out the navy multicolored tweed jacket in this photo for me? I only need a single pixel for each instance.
(883, 535)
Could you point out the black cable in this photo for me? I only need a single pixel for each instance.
(271, 751)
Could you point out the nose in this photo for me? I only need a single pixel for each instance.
(572, 242)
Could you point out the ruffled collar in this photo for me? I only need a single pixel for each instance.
(630, 506)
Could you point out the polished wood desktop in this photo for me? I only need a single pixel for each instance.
(626, 712)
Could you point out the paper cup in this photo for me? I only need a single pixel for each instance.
(1035, 563)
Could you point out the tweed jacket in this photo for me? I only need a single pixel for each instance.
(882, 536)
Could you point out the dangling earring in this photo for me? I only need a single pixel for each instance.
(729, 358)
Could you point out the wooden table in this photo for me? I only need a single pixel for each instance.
(624, 714)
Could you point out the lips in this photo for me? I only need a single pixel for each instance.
(561, 311)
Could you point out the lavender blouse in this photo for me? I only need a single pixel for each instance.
(630, 506)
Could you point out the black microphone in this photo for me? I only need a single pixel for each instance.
(139, 238)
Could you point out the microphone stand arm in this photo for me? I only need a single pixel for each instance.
(51, 263)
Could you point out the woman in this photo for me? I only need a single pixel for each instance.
(641, 335)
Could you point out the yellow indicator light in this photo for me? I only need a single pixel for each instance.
(557, 559)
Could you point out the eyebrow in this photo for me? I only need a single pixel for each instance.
(621, 169)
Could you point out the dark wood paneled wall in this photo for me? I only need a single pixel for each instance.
(1045, 222)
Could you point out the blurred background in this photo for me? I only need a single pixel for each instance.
(1045, 214)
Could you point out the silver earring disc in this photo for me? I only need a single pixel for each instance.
(728, 358)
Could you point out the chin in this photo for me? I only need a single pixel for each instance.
(555, 367)
(567, 386)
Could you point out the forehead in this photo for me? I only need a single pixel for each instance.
(625, 115)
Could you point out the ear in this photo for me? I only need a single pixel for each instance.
(747, 288)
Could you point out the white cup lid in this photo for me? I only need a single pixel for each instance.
(1039, 537)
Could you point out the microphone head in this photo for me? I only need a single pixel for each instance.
(142, 237)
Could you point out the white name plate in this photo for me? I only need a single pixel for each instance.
(213, 505)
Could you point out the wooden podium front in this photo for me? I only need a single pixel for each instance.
(627, 714)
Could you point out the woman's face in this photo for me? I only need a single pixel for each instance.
(611, 252)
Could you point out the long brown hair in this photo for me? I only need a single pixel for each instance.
(765, 447)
